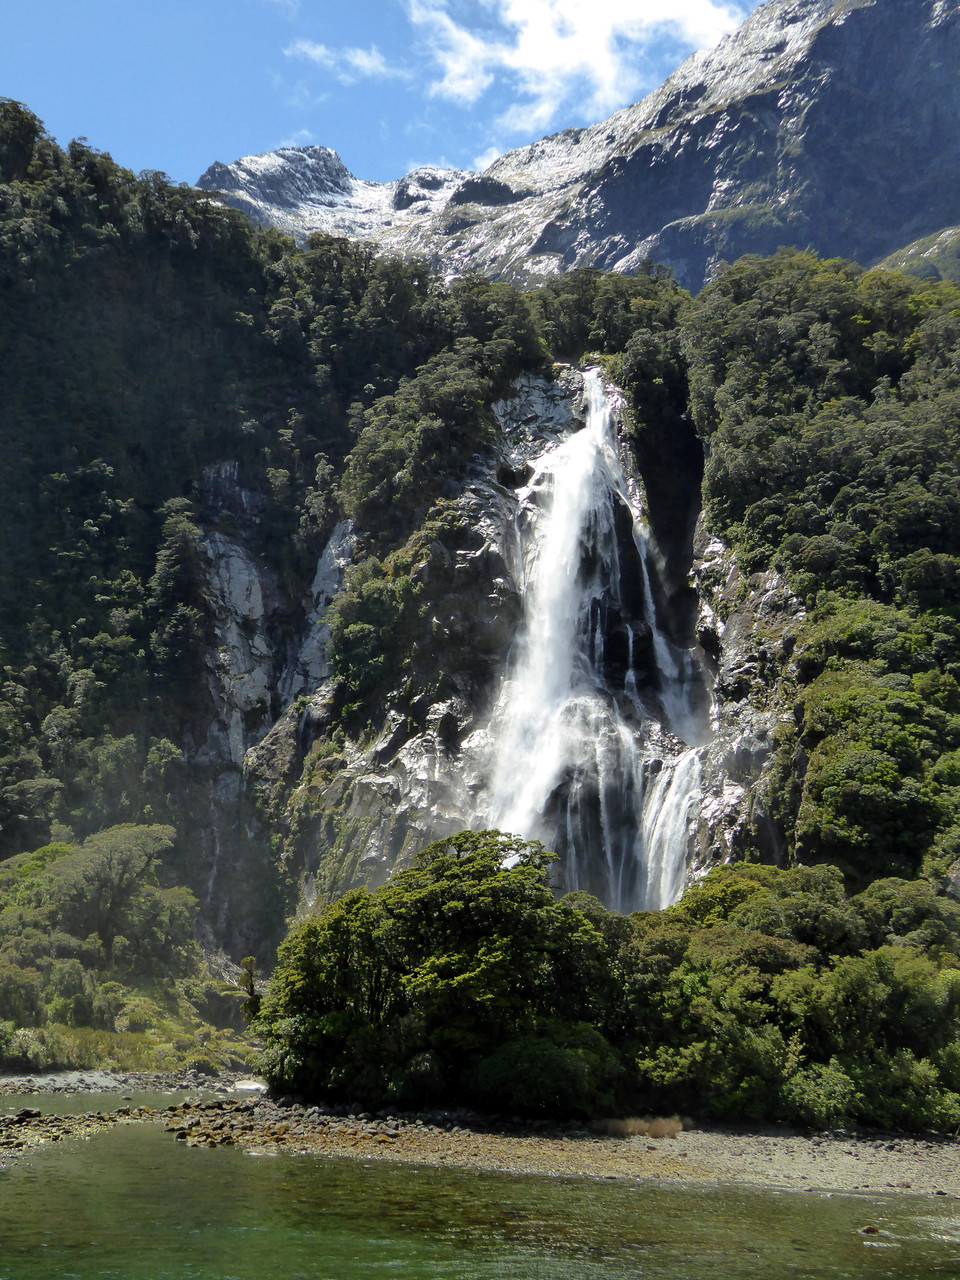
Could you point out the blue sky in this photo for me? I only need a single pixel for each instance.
(177, 84)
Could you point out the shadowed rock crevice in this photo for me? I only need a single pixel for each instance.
(669, 459)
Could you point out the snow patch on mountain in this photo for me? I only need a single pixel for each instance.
(829, 123)
(306, 189)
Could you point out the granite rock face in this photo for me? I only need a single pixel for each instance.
(354, 816)
(266, 670)
(297, 800)
(240, 668)
(749, 628)
(828, 123)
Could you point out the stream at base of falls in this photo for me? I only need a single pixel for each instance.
(134, 1204)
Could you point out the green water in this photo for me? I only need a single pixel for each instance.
(133, 1204)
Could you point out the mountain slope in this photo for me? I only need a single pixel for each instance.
(304, 189)
(828, 123)
(933, 257)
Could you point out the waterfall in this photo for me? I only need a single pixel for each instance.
(577, 740)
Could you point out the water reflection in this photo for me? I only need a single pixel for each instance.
(135, 1204)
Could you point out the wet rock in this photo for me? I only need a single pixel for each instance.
(754, 623)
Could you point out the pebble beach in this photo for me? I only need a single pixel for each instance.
(231, 1111)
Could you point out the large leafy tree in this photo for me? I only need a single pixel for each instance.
(431, 986)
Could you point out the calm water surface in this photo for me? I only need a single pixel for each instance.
(134, 1204)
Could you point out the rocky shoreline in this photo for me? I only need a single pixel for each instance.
(120, 1082)
(761, 1157)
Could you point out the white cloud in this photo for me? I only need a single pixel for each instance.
(486, 158)
(299, 139)
(468, 61)
(553, 54)
(290, 7)
(348, 65)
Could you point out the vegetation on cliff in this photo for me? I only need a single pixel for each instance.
(149, 339)
(827, 399)
(824, 993)
(148, 336)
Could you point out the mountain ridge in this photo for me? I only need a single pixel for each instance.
(818, 123)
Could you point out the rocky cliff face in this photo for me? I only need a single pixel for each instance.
(335, 811)
(358, 810)
(748, 629)
(268, 659)
(828, 123)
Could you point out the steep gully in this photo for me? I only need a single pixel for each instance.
(592, 697)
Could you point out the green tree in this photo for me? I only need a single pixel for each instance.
(412, 992)
(100, 887)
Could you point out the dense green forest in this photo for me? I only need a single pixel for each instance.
(148, 336)
(764, 993)
(99, 962)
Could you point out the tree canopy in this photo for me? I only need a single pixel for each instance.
(764, 993)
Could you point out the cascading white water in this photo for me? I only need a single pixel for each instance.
(593, 673)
